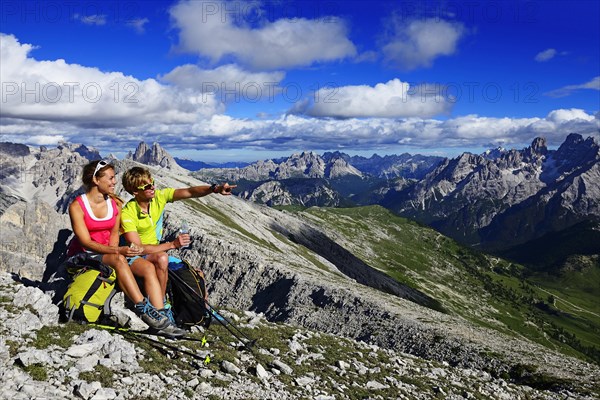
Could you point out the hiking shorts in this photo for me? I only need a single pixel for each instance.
(130, 260)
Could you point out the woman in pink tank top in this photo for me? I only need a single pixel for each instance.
(95, 218)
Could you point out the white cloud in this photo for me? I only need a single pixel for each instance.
(293, 132)
(96, 19)
(568, 90)
(392, 99)
(138, 24)
(44, 102)
(418, 43)
(229, 81)
(545, 55)
(565, 115)
(220, 29)
(57, 91)
(296, 132)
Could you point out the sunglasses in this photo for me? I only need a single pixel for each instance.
(101, 164)
(147, 186)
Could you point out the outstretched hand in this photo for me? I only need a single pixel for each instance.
(225, 189)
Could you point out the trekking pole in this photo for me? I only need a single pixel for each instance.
(157, 344)
(248, 343)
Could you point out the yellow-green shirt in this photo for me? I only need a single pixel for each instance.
(148, 226)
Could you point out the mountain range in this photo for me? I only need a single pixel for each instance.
(495, 201)
(362, 273)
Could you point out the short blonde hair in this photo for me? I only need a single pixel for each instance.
(135, 177)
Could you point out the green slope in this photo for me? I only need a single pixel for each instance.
(487, 290)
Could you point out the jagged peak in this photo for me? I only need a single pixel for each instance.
(16, 149)
(492, 154)
(468, 158)
(577, 149)
(87, 152)
(155, 155)
(573, 138)
(538, 146)
(311, 155)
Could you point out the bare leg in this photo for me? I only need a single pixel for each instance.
(145, 270)
(161, 265)
(125, 278)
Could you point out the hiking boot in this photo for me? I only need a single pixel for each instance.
(168, 312)
(172, 331)
(150, 315)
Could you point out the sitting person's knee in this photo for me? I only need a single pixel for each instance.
(163, 261)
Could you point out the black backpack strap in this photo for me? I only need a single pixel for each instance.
(85, 261)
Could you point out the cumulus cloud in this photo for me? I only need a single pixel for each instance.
(568, 90)
(58, 91)
(418, 43)
(392, 99)
(229, 81)
(235, 29)
(545, 55)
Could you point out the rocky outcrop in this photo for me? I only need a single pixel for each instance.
(304, 165)
(14, 150)
(154, 155)
(33, 235)
(84, 151)
(48, 175)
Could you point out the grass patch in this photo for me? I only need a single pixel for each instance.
(13, 347)
(37, 371)
(101, 374)
(290, 208)
(49, 335)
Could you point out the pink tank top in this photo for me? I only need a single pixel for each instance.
(99, 228)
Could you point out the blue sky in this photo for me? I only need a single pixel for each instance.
(237, 80)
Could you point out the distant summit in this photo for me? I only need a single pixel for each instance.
(155, 155)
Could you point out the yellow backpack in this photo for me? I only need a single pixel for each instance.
(88, 296)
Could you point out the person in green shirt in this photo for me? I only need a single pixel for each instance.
(142, 218)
